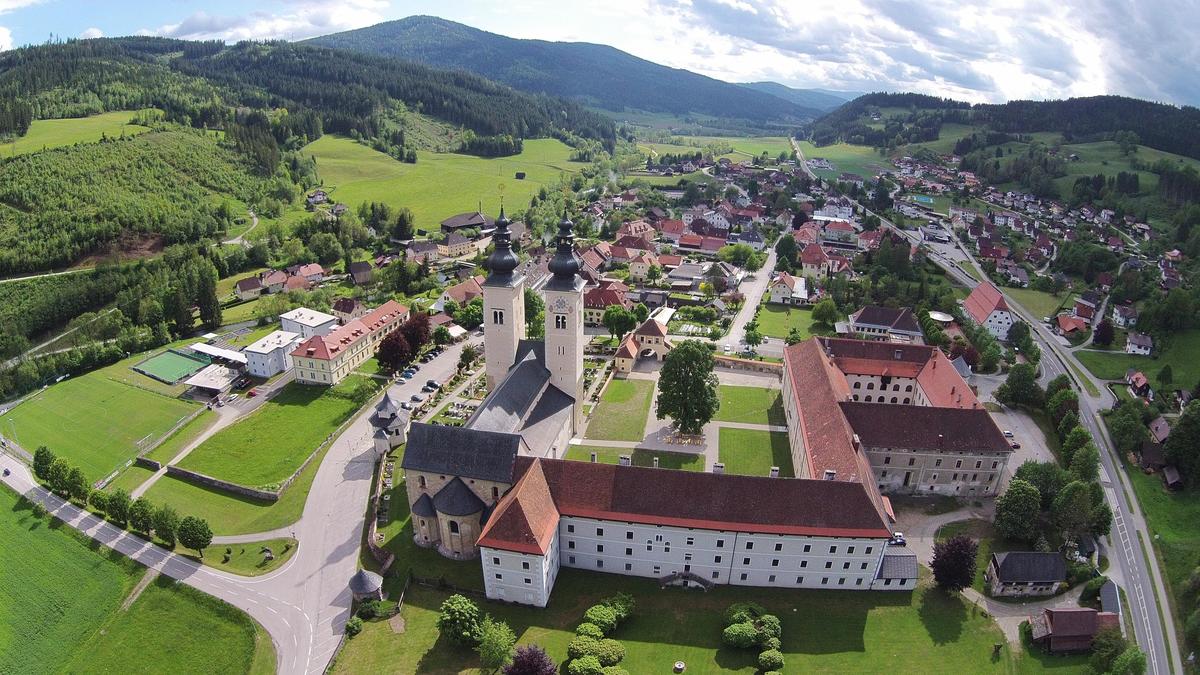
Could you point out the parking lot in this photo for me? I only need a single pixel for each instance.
(1025, 432)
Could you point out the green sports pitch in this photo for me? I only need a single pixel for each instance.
(171, 366)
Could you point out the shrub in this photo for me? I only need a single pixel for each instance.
(740, 635)
(588, 665)
(772, 659)
(769, 627)
(772, 643)
(591, 630)
(1092, 588)
(610, 652)
(583, 646)
(621, 604)
(603, 616)
(1191, 629)
(615, 670)
(743, 612)
(354, 626)
(1078, 573)
(460, 620)
(372, 609)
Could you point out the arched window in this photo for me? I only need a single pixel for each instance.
(454, 527)
(907, 401)
(908, 388)
(868, 399)
(421, 481)
(856, 397)
(893, 399)
(870, 385)
(858, 385)
(560, 321)
(498, 317)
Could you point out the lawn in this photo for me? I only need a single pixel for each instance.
(439, 185)
(666, 460)
(62, 610)
(623, 409)
(96, 423)
(130, 478)
(823, 631)
(1180, 353)
(778, 320)
(247, 559)
(752, 453)
(168, 449)
(1039, 303)
(982, 532)
(846, 158)
(268, 445)
(748, 147)
(752, 405)
(45, 134)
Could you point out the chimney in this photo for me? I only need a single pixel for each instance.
(830, 474)
(774, 472)
(656, 462)
(623, 460)
(856, 442)
(593, 458)
(718, 467)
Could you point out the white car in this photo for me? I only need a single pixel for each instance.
(728, 349)
(1008, 434)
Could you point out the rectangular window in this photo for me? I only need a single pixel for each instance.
(842, 581)
(599, 548)
(745, 561)
(833, 549)
(778, 547)
(864, 566)
(771, 579)
(687, 557)
(716, 560)
(775, 562)
(887, 459)
(571, 559)
(845, 565)
(524, 565)
(803, 564)
(570, 544)
(528, 581)
(599, 531)
(716, 574)
(749, 545)
(629, 534)
(858, 581)
(824, 581)
(599, 563)
(691, 541)
(868, 551)
(807, 548)
(570, 528)
(657, 569)
(958, 463)
(628, 551)
(743, 576)
(799, 580)
(499, 576)
(828, 564)
(995, 464)
(912, 461)
(628, 567)
(937, 463)
(850, 551)
(496, 562)
(979, 464)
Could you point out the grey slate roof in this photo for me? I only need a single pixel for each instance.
(1029, 566)
(423, 507)
(898, 566)
(456, 499)
(365, 583)
(547, 420)
(515, 396)
(964, 369)
(459, 451)
(1110, 600)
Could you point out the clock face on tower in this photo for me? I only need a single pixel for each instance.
(560, 305)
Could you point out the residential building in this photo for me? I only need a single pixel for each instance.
(457, 246)
(814, 261)
(361, 272)
(461, 293)
(1138, 343)
(986, 307)
(1025, 573)
(1125, 315)
(885, 323)
(786, 289)
(346, 309)
(597, 300)
(271, 354)
(307, 322)
(463, 221)
(327, 358)
(640, 265)
(248, 288)
(1070, 629)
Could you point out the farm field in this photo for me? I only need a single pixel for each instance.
(749, 146)
(64, 613)
(749, 452)
(622, 412)
(1180, 354)
(752, 405)
(95, 423)
(267, 446)
(438, 185)
(45, 134)
(847, 158)
(666, 460)
(823, 631)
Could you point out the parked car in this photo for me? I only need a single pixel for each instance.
(1008, 434)
(405, 405)
(1015, 445)
(428, 389)
(252, 393)
(417, 398)
(233, 397)
(898, 539)
(433, 383)
(728, 349)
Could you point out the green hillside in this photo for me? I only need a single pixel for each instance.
(46, 134)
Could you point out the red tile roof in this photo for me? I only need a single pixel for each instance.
(813, 254)
(326, 347)
(675, 227)
(466, 291)
(984, 300)
(604, 296)
(652, 327)
(525, 519)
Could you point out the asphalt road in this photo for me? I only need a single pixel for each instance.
(303, 605)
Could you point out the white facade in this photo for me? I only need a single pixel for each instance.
(503, 325)
(271, 354)
(307, 322)
(717, 556)
(998, 323)
(564, 345)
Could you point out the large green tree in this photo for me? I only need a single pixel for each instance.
(496, 642)
(1183, 445)
(825, 312)
(1021, 387)
(195, 534)
(687, 387)
(460, 620)
(618, 320)
(1017, 511)
(1048, 477)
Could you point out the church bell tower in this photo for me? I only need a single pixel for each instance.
(503, 305)
(564, 320)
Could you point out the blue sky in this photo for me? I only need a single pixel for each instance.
(968, 50)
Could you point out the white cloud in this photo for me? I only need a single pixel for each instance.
(13, 5)
(92, 32)
(299, 20)
(6, 41)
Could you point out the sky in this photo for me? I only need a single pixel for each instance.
(980, 52)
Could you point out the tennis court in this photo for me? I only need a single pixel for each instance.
(923, 199)
(171, 366)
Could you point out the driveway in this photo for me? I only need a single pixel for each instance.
(754, 293)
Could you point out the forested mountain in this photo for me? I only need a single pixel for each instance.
(199, 83)
(597, 74)
(816, 99)
(906, 118)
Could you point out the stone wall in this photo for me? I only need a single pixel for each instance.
(209, 481)
(735, 363)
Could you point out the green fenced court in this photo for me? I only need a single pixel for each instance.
(171, 366)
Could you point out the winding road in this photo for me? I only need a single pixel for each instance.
(303, 605)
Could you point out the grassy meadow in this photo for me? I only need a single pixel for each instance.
(94, 422)
(46, 134)
(64, 613)
(622, 412)
(666, 460)
(439, 185)
(751, 405)
(846, 158)
(749, 452)
(1180, 353)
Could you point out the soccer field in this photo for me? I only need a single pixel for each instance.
(95, 423)
(439, 185)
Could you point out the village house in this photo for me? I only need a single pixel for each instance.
(986, 307)
(1125, 315)
(640, 265)
(814, 261)
(248, 288)
(468, 221)
(596, 300)
(461, 293)
(885, 323)
(361, 272)
(307, 322)
(1139, 384)
(1070, 629)
(271, 354)
(346, 309)
(786, 289)
(1025, 574)
(457, 246)
(1138, 343)
(1086, 305)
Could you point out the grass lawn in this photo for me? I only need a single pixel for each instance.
(94, 422)
(747, 147)
(265, 447)
(45, 134)
(623, 410)
(989, 543)
(823, 631)
(247, 559)
(129, 478)
(846, 158)
(1039, 303)
(230, 514)
(1180, 353)
(239, 313)
(752, 453)
(778, 320)
(63, 613)
(439, 185)
(752, 405)
(167, 450)
(666, 460)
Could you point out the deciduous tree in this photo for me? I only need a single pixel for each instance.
(118, 506)
(42, 459)
(531, 660)
(687, 387)
(496, 642)
(1020, 387)
(825, 312)
(394, 352)
(1103, 335)
(1182, 447)
(141, 515)
(195, 534)
(954, 562)
(166, 524)
(460, 620)
(1017, 511)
